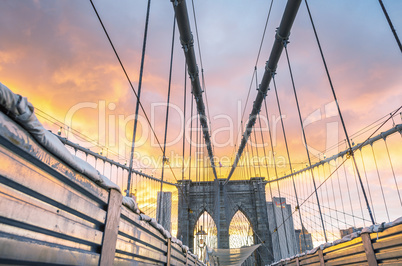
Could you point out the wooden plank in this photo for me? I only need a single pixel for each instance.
(178, 254)
(41, 184)
(130, 249)
(388, 232)
(35, 252)
(37, 158)
(17, 232)
(111, 228)
(310, 259)
(390, 254)
(321, 256)
(136, 219)
(41, 205)
(20, 213)
(343, 245)
(387, 242)
(344, 252)
(169, 251)
(297, 261)
(133, 233)
(360, 259)
(368, 248)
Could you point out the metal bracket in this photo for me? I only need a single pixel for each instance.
(283, 39)
(263, 93)
(186, 45)
(193, 75)
(176, 2)
(270, 71)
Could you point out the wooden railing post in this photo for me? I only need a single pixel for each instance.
(169, 251)
(297, 261)
(368, 248)
(111, 228)
(321, 256)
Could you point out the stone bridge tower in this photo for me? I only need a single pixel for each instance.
(222, 202)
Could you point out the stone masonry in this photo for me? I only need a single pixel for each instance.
(222, 202)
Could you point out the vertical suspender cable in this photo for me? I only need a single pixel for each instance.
(258, 156)
(358, 194)
(350, 199)
(333, 195)
(287, 152)
(304, 137)
(269, 184)
(368, 184)
(393, 172)
(164, 159)
(184, 117)
(191, 136)
(144, 44)
(340, 114)
(252, 156)
(379, 180)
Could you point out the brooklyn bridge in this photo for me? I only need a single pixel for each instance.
(200, 132)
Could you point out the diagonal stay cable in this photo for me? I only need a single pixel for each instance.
(338, 166)
(125, 73)
(132, 87)
(340, 114)
(255, 66)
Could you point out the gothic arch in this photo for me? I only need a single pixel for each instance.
(221, 201)
(200, 212)
(239, 230)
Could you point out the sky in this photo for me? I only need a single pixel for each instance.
(56, 54)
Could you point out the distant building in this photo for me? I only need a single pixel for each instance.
(350, 230)
(284, 244)
(304, 240)
(163, 216)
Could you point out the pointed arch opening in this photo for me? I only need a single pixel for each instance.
(240, 231)
(205, 234)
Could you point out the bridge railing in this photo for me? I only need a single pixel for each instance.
(342, 205)
(144, 186)
(376, 245)
(53, 215)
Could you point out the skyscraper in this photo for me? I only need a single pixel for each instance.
(304, 240)
(163, 216)
(284, 238)
(350, 230)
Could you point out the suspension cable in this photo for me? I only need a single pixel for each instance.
(379, 180)
(303, 132)
(286, 145)
(139, 104)
(393, 172)
(367, 183)
(340, 113)
(184, 117)
(164, 159)
(269, 184)
(390, 25)
(191, 135)
(343, 163)
(255, 66)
